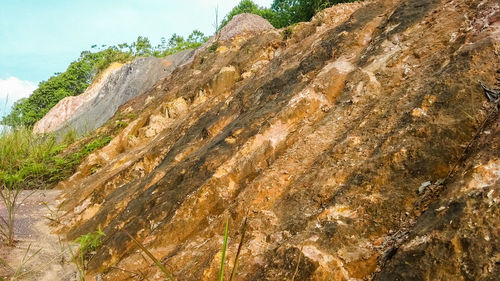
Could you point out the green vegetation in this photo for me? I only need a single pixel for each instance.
(151, 256)
(224, 247)
(87, 243)
(242, 239)
(283, 12)
(80, 73)
(289, 12)
(31, 161)
(247, 6)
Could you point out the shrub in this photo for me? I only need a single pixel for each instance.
(283, 12)
(80, 73)
(87, 243)
(37, 161)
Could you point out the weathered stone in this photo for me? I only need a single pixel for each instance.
(67, 107)
(118, 85)
(322, 148)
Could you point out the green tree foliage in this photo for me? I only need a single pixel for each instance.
(177, 43)
(292, 11)
(283, 12)
(72, 82)
(80, 73)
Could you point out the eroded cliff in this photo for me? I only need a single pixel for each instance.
(118, 84)
(358, 146)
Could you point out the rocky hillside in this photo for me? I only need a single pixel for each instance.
(357, 146)
(116, 85)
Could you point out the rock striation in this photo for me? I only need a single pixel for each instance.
(117, 85)
(65, 108)
(358, 147)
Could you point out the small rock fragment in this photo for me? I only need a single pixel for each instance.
(422, 188)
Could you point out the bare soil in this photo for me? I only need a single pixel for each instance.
(50, 257)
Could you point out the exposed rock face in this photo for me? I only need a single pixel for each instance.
(236, 32)
(66, 108)
(244, 24)
(117, 86)
(362, 147)
(457, 237)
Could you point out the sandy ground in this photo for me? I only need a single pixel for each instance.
(53, 261)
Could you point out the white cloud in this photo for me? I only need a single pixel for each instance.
(13, 89)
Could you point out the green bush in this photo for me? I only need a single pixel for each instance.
(90, 241)
(87, 243)
(36, 161)
(289, 12)
(80, 73)
(283, 12)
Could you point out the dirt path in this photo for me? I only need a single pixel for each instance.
(52, 262)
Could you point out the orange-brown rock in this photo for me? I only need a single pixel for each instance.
(362, 147)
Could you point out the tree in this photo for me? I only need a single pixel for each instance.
(283, 12)
(80, 74)
(142, 46)
(292, 11)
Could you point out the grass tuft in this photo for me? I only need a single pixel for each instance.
(150, 255)
(224, 247)
(87, 243)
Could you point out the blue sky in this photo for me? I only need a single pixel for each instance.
(41, 37)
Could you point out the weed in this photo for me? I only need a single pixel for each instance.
(224, 247)
(90, 241)
(287, 33)
(70, 137)
(213, 47)
(97, 143)
(235, 266)
(121, 124)
(53, 214)
(87, 243)
(95, 168)
(10, 193)
(123, 115)
(18, 272)
(150, 255)
(298, 263)
(40, 161)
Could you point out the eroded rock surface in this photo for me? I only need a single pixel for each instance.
(244, 24)
(67, 107)
(355, 148)
(118, 85)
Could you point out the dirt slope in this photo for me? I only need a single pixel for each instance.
(354, 145)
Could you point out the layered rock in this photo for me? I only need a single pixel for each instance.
(67, 107)
(118, 84)
(360, 147)
(243, 24)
